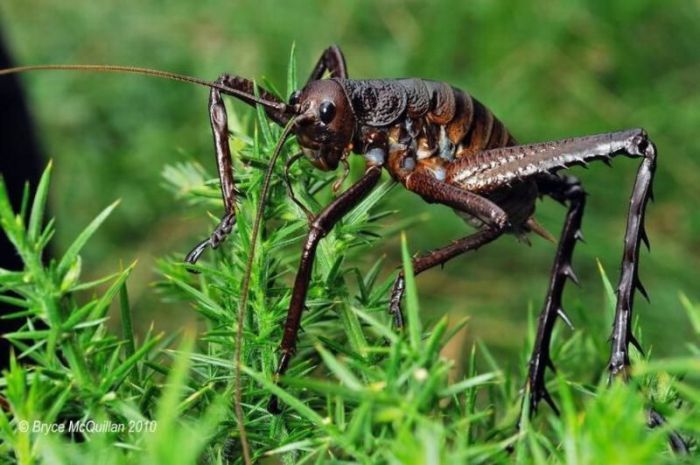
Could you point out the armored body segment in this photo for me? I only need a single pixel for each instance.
(480, 130)
(375, 102)
(431, 127)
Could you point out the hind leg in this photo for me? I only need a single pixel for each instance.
(635, 234)
(622, 335)
(566, 190)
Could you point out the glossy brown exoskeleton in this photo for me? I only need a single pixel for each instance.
(445, 146)
(448, 148)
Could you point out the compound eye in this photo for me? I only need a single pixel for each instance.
(294, 98)
(326, 111)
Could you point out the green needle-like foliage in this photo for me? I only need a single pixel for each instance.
(358, 390)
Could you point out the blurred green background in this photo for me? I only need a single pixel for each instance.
(548, 69)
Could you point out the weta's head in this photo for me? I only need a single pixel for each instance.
(326, 123)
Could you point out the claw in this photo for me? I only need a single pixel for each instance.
(197, 252)
(222, 230)
(578, 235)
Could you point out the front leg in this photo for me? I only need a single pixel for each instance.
(435, 191)
(320, 227)
(219, 126)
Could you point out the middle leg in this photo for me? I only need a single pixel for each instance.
(432, 190)
(438, 257)
(320, 227)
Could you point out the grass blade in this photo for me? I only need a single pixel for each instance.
(39, 205)
(74, 249)
(412, 311)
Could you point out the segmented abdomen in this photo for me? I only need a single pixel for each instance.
(474, 128)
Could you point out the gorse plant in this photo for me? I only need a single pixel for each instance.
(358, 391)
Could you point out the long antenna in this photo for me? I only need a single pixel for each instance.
(148, 72)
(243, 302)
